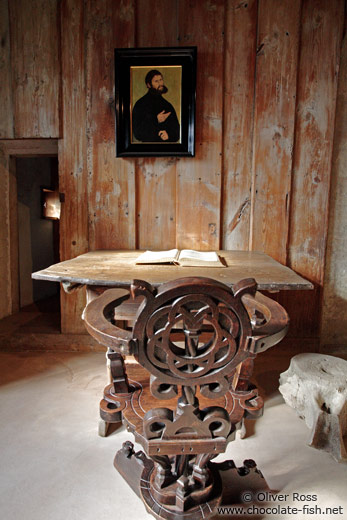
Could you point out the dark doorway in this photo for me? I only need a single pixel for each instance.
(38, 242)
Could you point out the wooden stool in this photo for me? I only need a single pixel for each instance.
(197, 339)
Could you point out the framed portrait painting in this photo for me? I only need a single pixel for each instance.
(155, 101)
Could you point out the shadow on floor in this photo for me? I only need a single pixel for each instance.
(39, 317)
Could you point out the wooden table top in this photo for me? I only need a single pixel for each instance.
(118, 269)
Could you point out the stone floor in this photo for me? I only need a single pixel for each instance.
(54, 465)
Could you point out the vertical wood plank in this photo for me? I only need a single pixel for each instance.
(201, 23)
(111, 181)
(72, 155)
(6, 107)
(334, 324)
(35, 66)
(239, 78)
(156, 203)
(14, 241)
(156, 23)
(156, 177)
(322, 26)
(277, 58)
(5, 251)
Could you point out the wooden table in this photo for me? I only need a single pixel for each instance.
(182, 479)
(118, 269)
(101, 270)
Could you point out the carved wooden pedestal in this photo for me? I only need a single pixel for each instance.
(229, 484)
(196, 340)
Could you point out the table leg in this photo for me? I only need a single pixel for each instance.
(116, 374)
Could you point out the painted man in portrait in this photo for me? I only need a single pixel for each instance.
(154, 119)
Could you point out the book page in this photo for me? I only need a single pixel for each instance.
(158, 257)
(207, 256)
(189, 257)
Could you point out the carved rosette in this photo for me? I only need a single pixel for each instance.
(198, 356)
(190, 337)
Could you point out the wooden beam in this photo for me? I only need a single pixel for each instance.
(30, 147)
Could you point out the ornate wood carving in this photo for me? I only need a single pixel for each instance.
(197, 338)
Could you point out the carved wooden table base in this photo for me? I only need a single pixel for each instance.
(197, 339)
(140, 471)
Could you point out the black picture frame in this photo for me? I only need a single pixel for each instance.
(131, 67)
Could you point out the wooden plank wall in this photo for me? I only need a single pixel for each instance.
(266, 98)
(73, 154)
(111, 181)
(5, 233)
(239, 83)
(199, 182)
(35, 67)
(155, 177)
(334, 329)
(6, 119)
(275, 93)
(322, 26)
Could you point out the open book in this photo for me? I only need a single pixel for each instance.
(184, 258)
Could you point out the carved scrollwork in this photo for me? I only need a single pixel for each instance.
(162, 390)
(209, 423)
(250, 402)
(197, 357)
(215, 390)
(206, 351)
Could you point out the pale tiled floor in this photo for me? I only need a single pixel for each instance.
(55, 467)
